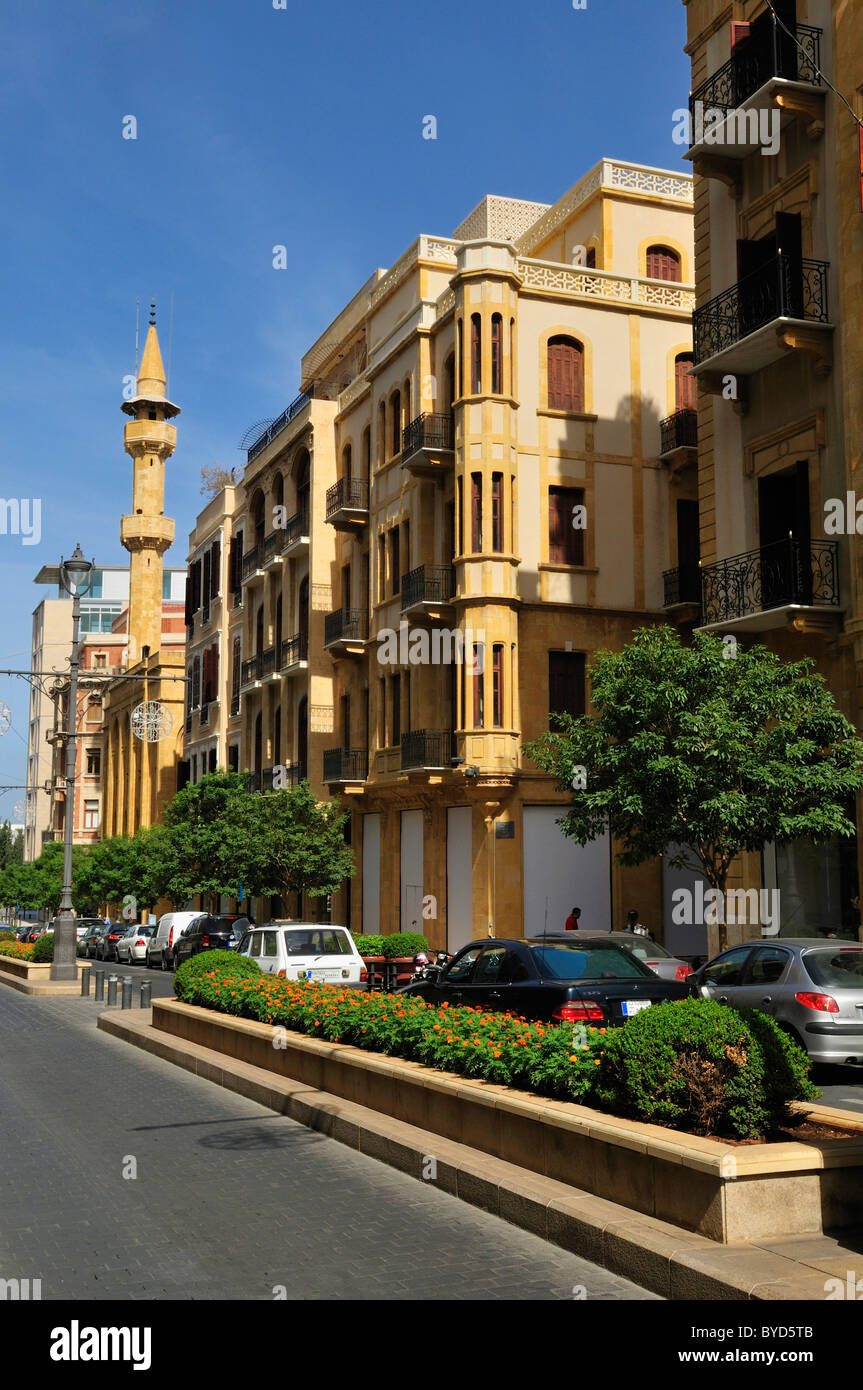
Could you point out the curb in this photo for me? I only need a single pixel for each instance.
(669, 1261)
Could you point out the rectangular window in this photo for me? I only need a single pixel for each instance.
(91, 815)
(496, 354)
(382, 567)
(478, 686)
(497, 511)
(565, 538)
(459, 520)
(396, 711)
(497, 686)
(566, 693)
(476, 512)
(234, 758)
(395, 563)
(215, 568)
(100, 661)
(475, 354)
(94, 762)
(382, 712)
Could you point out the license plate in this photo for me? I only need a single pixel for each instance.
(634, 1006)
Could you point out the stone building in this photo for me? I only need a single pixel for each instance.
(483, 480)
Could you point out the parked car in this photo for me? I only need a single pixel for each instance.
(221, 932)
(162, 944)
(654, 956)
(32, 932)
(89, 941)
(572, 979)
(813, 989)
(106, 944)
(82, 925)
(306, 951)
(132, 946)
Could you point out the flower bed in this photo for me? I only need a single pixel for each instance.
(17, 950)
(705, 1068)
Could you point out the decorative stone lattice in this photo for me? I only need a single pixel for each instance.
(151, 721)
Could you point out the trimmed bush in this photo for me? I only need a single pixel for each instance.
(370, 945)
(403, 943)
(43, 948)
(702, 1067)
(228, 964)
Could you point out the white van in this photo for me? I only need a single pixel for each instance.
(160, 947)
(306, 951)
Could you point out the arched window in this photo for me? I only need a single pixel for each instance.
(367, 451)
(278, 491)
(496, 354)
(382, 434)
(302, 469)
(396, 408)
(449, 385)
(565, 375)
(685, 392)
(407, 396)
(346, 463)
(475, 354)
(497, 686)
(662, 263)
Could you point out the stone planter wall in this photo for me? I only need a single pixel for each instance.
(727, 1192)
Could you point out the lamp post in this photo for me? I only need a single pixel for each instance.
(76, 575)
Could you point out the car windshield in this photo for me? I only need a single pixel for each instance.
(325, 942)
(644, 949)
(567, 960)
(833, 968)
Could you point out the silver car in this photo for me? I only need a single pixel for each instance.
(649, 952)
(132, 947)
(812, 987)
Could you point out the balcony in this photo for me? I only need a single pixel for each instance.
(427, 445)
(257, 669)
(427, 590)
(294, 654)
(348, 504)
(789, 583)
(299, 403)
(345, 766)
(679, 437)
(682, 586)
(430, 749)
(770, 312)
(768, 71)
(253, 564)
(235, 704)
(346, 632)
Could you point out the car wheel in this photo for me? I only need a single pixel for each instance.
(163, 964)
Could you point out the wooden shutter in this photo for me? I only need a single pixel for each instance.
(215, 567)
(565, 375)
(476, 511)
(556, 527)
(684, 385)
(475, 355)
(497, 511)
(497, 686)
(188, 599)
(496, 354)
(208, 559)
(662, 264)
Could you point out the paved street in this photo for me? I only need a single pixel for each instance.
(230, 1200)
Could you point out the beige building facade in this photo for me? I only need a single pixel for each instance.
(777, 362)
(487, 476)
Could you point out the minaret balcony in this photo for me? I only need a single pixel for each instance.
(146, 532)
(150, 436)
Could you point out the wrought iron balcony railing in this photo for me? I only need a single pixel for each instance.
(427, 584)
(427, 431)
(786, 572)
(346, 764)
(432, 748)
(251, 561)
(346, 625)
(774, 291)
(293, 650)
(235, 704)
(205, 714)
(756, 60)
(679, 431)
(682, 585)
(258, 666)
(277, 425)
(349, 494)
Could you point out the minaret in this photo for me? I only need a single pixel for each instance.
(147, 534)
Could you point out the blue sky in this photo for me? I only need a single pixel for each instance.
(256, 127)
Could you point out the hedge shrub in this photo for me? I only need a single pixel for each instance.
(43, 948)
(370, 945)
(226, 962)
(404, 943)
(700, 1066)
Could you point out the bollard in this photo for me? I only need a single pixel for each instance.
(146, 986)
(100, 985)
(127, 992)
(112, 991)
(85, 982)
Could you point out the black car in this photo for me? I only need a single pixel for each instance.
(215, 932)
(88, 943)
(569, 981)
(105, 947)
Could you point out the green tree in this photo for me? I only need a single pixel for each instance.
(286, 842)
(198, 819)
(714, 748)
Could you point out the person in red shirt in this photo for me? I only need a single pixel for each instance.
(571, 923)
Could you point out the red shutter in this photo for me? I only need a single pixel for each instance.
(476, 512)
(565, 375)
(739, 32)
(684, 385)
(556, 533)
(215, 567)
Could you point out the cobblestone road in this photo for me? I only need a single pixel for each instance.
(230, 1200)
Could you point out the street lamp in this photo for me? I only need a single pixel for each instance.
(76, 576)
